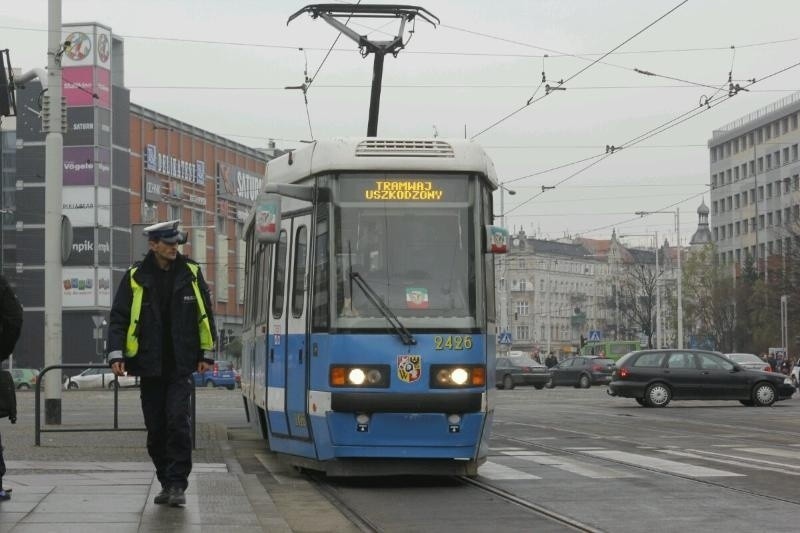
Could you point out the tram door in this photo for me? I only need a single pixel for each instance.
(297, 341)
(287, 358)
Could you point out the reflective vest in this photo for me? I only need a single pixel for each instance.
(132, 340)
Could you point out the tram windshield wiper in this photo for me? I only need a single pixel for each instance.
(402, 332)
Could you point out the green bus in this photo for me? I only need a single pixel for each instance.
(611, 349)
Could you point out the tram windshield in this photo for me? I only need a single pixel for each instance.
(414, 250)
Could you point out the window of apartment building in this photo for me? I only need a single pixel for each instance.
(785, 155)
(738, 228)
(769, 219)
(716, 234)
(785, 125)
(779, 247)
(753, 224)
(523, 333)
(752, 165)
(769, 161)
(541, 285)
(787, 215)
(752, 196)
(736, 145)
(744, 199)
(794, 121)
(769, 190)
(760, 165)
(787, 245)
(738, 255)
(760, 222)
(730, 230)
(761, 194)
(744, 226)
(521, 308)
(794, 152)
(744, 170)
(787, 185)
(727, 149)
(722, 232)
(714, 208)
(730, 203)
(776, 128)
(760, 135)
(796, 213)
(796, 181)
(174, 212)
(762, 250)
(778, 188)
(778, 217)
(713, 181)
(523, 284)
(728, 176)
(750, 139)
(736, 201)
(713, 154)
(736, 174)
(770, 248)
(777, 158)
(768, 132)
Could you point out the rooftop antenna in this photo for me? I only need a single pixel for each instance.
(331, 13)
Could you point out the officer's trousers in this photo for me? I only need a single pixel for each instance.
(165, 405)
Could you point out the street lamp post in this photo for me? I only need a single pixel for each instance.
(504, 311)
(677, 214)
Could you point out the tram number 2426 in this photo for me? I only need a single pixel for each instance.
(452, 342)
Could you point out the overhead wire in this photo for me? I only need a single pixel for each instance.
(561, 83)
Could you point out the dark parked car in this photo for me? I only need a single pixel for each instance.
(582, 372)
(533, 373)
(654, 377)
(506, 375)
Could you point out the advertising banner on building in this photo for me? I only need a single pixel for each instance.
(80, 126)
(83, 247)
(237, 184)
(81, 203)
(188, 171)
(88, 46)
(79, 165)
(78, 285)
(104, 287)
(152, 189)
(102, 125)
(78, 86)
(103, 159)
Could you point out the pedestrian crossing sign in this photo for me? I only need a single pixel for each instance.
(504, 337)
(594, 335)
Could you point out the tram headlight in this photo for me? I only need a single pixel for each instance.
(455, 376)
(362, 376)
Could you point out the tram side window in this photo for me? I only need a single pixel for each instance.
(261, 284)
(299, 274)
(321, 310)
(488, 259)
(279, 281)
(248, 280)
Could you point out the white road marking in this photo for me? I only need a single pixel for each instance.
(577, 467)
(733, 462)
(773, 452)
(662, 465)
(498, 472)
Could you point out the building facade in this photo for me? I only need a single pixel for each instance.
(755, 185)
(125, 167)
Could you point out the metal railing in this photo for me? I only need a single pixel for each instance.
(38, 406)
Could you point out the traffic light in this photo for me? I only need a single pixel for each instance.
(583, 341)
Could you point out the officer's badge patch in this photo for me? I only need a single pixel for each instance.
(409, 367)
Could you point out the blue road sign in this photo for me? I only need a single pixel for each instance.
(504, 337)
(594, 335)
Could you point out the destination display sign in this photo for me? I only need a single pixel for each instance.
(400, 188)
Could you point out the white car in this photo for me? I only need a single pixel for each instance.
(97, 378)
(795, 375)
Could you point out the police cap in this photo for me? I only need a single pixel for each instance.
(167, 232)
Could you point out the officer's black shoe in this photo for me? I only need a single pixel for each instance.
(176, 497)
(162, 497)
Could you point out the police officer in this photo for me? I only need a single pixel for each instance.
(162, 329)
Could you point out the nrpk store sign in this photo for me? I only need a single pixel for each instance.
(193, 172)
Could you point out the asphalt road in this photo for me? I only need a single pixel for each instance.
(605, 463)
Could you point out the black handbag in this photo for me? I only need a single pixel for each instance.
(8, 397)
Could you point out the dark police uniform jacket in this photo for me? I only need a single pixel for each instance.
(184, 319)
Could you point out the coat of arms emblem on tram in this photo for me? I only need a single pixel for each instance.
(409, 367)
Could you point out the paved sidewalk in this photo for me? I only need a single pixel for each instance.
(71, 485)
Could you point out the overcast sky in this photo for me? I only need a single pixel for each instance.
(223, 66)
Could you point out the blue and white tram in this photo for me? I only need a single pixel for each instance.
(368, 343)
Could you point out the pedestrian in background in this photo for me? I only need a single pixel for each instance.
(10, 329)
(162, 329)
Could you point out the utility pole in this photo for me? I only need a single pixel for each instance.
(54, 154)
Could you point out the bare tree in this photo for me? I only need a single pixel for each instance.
(638, 298)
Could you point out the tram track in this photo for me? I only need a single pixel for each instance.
(330, 493)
